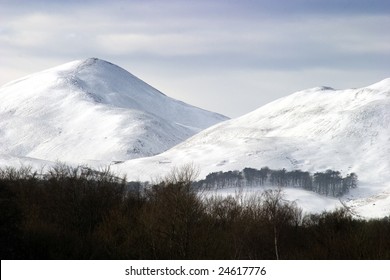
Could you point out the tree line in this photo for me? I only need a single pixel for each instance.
(328, 183)
(76, 213)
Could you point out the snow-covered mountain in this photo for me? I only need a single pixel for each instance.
(312, 130)
(91, 112)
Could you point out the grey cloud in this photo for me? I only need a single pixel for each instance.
(328, 7)
(215, 46)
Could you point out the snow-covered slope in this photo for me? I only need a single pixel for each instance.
(91, 112)
(313, 130)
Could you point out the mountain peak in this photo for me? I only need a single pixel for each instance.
(92, 111)
(94, 61)
(316, 90)
(96, 64)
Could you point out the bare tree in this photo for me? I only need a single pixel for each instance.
(279, 213)
(186, 173)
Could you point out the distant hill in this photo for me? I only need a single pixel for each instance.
(312, 130)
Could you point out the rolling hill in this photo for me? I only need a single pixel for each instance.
(311, 130)
(91, 112)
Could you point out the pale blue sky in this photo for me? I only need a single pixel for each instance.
(226, 56)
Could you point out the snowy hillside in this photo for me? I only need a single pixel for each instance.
(312, 130)
(91, 112)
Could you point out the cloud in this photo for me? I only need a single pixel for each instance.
(315, 7)
(220, 48)
(158, 29)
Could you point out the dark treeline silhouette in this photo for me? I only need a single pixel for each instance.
(329, 183)
(75, 213)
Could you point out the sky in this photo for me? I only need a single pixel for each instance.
(226, 56)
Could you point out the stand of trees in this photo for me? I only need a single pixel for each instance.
(75, 213)
(329, 183)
